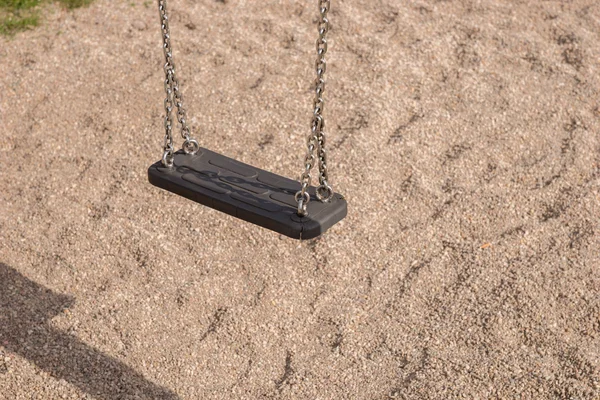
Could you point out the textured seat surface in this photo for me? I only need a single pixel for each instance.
(246, 192)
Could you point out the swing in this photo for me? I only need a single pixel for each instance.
(294, 209)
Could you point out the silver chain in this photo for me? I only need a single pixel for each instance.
(190, 145)
(316, 139)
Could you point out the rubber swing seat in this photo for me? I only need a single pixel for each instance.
(246, 192)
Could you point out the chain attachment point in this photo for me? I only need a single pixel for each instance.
(191, 147)
(168, 158)
(303, 198)
(324, 193)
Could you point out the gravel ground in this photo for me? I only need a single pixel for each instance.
(464, 134)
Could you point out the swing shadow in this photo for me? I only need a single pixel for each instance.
(26, 307)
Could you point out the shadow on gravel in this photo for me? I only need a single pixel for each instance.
(25, 308)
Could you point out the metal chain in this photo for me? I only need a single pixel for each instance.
(316, 139)
(190, 145)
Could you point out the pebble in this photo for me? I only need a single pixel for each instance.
(139, 25)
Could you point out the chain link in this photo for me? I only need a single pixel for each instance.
(316, 139)
(174, 97)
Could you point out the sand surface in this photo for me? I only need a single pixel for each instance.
(464, 134)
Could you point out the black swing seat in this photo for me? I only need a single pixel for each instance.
(248, 193)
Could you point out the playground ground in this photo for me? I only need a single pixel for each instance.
(464, 134)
